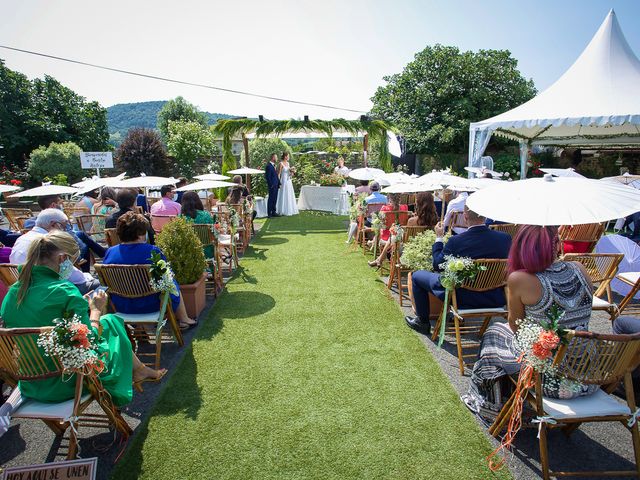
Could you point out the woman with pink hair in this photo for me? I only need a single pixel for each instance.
(537, 282)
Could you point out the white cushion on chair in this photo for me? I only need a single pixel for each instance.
(471, 311)
(598, 404)
(631, 277)
(600, 303)
(140, 317)
(35, 409)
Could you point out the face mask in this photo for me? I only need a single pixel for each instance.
(146, 237)
(66, 268)
(175, 197)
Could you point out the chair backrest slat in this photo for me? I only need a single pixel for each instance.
(129, 281)
(508, 228)
(601, 267)
(8, 274)
(593, 358)
(494, 276)
(204, 233)
(13, 214)
(111, 235)
(21, 358)
(411, 231)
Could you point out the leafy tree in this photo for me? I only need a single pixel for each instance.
(189, 141)
(55, 160)
(44, 111)
(142, 151)
(260, 150)
(178, 109)
(442, 90)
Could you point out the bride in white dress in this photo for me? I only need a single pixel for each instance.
(286, 204)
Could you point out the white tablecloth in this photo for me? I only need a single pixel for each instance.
(328, 199)
(260, 206)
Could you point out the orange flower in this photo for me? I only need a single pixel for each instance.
(80, 329)
(548, 339)
(540, 352)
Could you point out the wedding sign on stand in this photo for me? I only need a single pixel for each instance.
(82, 469)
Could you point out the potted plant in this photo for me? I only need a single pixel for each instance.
(180, 244)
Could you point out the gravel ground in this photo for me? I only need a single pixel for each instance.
(595, 446)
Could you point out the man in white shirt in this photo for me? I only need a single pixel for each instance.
(48, 220)
(456, 205)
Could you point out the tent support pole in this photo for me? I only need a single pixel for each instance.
(524, 158)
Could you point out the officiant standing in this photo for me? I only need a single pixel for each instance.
(273, 183)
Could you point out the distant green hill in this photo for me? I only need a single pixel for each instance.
(124, 116)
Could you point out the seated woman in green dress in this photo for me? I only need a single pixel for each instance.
(43, 294)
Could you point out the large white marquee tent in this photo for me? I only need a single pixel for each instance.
(595, 104)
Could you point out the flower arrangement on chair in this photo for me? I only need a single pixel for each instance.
(378, 221)
(455, 271)
(73, 344)
(538, 342)
(162, 280)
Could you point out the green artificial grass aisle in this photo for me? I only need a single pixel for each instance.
(304, 369)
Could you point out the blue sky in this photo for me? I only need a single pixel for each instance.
(331, 52)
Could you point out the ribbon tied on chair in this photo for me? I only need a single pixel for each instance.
(541, 420)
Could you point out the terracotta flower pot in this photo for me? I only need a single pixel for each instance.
(194, 296)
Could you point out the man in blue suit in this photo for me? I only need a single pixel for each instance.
(273, 183)
(477, 242)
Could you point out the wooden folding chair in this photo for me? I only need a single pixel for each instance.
(466, 320)
(13, 214)
(242, 229)
(361, 233)
(509, 228)
(633, 280)
(111, 236)
(8, 274)
(132, 281)
(590, 359)
(92, 225)
(397, 269)
(602, 268)
(159, 221)
(456, 221)
(22, 360)
(588, 233)
(205, 233)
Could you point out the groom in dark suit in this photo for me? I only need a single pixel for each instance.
(477, 242)
(273, 183)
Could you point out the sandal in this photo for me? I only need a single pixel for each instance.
(374, 263)
(138, 383)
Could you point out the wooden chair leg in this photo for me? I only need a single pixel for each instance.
(544, 453)
(456, 323)
(175, 328)
(400, 287)
(485, 325)
(158, 349)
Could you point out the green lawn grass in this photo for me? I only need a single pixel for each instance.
(304, 369)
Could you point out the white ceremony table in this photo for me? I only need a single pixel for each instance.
(260, 206)
(328, 199)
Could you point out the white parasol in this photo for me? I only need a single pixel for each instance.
(141, 182)
(98, 181)
(479, 171)
(45, 190)
(366, 173)
(411, 187)
(555, 201)
(397, 177)
(245, 171)
(626, 178)
(563, 172)
(206, 185)
(212, 176)
(8, 188)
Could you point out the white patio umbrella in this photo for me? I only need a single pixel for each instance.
(555, 201)
(45, 190)
(563, 172)
(98, 181)
(626, 178)
(479, 171)
(246, 171)
(205, 185)
(366, 173)
(382, 181)
(212, 176)
(397, 177)
(629, 263)
(8, 188)
(411, 187)
(142, 182)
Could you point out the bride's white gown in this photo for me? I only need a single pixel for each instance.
(286, 204)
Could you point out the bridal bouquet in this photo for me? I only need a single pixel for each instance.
(538, 344)
(73, 344)
(455, 271)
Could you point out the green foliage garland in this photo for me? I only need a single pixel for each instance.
(417, 251)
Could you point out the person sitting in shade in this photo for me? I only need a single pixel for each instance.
(126, 199)
(166, 206)
(455, 205)
(363, 187)
(477, 242)
(341, 169)
(376, 197)
(8, 237)
(50, 220)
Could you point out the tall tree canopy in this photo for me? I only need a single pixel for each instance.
(177, 110)
(35, 113)
(189, 141)
(442, 90)
(142, 151)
